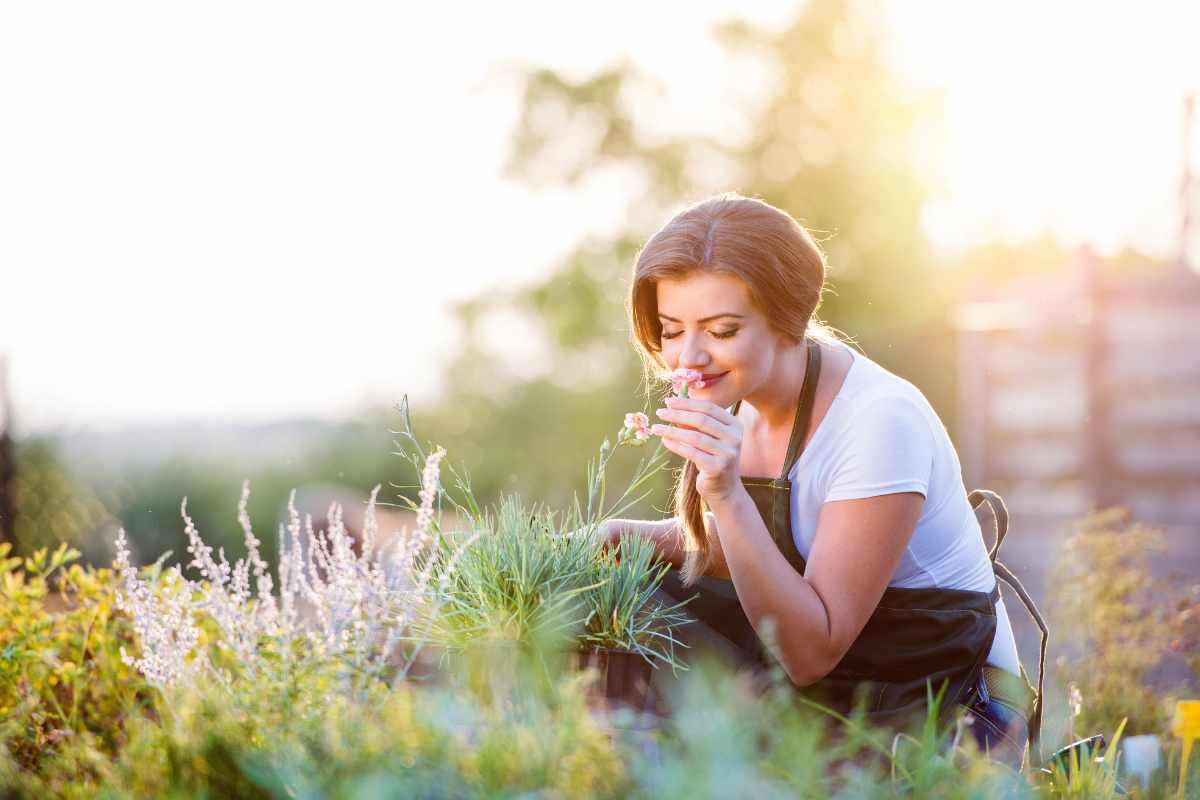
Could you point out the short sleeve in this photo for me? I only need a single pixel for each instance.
(886, 448)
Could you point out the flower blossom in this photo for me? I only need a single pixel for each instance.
(683, 377)
(428, 494)
(637, 427)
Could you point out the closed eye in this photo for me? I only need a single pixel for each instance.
(715, 334)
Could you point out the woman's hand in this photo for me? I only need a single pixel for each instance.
(608, 534)
(708, 436)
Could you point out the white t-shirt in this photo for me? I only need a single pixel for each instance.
(881, 436)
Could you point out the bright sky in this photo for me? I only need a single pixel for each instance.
(252, 210)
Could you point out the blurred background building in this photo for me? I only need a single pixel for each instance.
(1080, 387)
(1082, 390)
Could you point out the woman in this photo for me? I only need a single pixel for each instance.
(862, 565)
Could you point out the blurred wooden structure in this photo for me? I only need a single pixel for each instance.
(8, 465)
(1082, 391)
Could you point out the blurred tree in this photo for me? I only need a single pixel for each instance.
(834, 142)
(352, 457)
(53, 505)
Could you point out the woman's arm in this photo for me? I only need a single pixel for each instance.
(669, 541)
(879, 478)
(817, 616)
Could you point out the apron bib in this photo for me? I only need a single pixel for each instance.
(914, 636)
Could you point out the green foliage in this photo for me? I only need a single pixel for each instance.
(523, 580)
(1085, 774)
(533, 577)
(406, 742)
(52, 504)
(1111, 623)
(98, 730)
(61, 672)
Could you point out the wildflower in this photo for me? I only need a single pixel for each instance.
(355, 607)
(1186, 726)
(428, 494)
(683, 377)
(1187, 719)
(636, 430)
(166, 629)
(1075, 700)
(1075, 705)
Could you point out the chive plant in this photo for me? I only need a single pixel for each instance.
(521, 580)
(525, 578)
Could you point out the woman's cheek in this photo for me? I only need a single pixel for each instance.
(669, 353)
(739, 355)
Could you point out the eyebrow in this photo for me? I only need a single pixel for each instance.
(706, 319)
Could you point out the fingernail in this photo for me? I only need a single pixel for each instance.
(660, 412)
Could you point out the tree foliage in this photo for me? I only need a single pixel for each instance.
(834, 140)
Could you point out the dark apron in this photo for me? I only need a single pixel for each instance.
(914, 637)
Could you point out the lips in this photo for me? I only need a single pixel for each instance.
(710, 379)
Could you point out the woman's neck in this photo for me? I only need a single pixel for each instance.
(775, 401)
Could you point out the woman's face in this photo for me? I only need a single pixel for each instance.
(709, 324)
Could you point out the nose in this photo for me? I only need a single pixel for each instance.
(693, 354)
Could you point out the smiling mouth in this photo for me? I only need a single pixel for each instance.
(709, 380)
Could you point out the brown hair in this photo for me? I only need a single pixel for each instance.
(781, 265)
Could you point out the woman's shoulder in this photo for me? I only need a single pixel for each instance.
(877, 410)
(869, 384)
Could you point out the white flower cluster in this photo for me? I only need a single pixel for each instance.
(428, 493)
(353, 606)
(165, 627)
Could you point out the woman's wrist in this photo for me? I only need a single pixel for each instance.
(736, 499)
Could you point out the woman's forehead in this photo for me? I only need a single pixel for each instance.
(703, 294)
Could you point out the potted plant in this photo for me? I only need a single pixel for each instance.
(532, 582)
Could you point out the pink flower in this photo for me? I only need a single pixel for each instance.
(683, 377)
(637, 425)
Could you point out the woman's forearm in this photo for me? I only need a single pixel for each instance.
(664, 534)
(670, 542)
(769, 588)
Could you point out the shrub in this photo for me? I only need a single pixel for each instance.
(61, 671)
(1112, 627)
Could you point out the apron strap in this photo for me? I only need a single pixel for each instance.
(1035, 718)
(1000, 527)
(803, 422)
(999, 516)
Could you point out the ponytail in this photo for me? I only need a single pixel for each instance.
(689, 506)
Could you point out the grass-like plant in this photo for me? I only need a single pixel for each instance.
(541, 578)
(521, 580)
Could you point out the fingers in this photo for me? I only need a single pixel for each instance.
(695, 420)
(701, 441)
(705, 461)
(706, 407)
